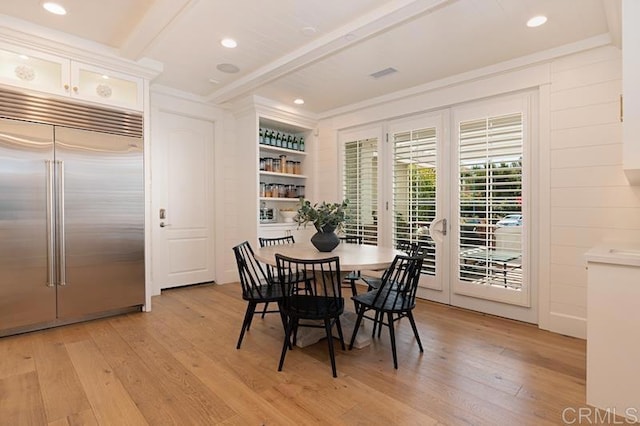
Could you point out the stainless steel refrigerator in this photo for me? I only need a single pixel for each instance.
(71, 224)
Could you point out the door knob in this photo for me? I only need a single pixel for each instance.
(164, 225)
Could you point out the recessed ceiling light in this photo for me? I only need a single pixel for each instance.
(23, 57)
(536, 21)
(229, 43)
(298, 101)
(214, 81)
(106, 77)
(54, 8)
(228, 68)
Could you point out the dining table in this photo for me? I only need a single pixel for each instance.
(352, 257)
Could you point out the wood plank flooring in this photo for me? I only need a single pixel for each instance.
(178, 365)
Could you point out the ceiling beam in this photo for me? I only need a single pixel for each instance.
(367, 25)
(157, 20)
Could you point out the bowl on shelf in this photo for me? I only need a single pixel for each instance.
(288, 215)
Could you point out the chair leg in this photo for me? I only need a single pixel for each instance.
(392, 335)
(283, 317)
(295, 330)
(286, 344)
(332, 356)
(354, 291)
(246, 322)
(339, 327)
(264, 311)
(357, 326)
(415, 329)
(253, 306)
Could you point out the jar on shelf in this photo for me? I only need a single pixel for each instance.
(275, 165)
(292, 191)
(291, 167)
(282, 190)
(262, 164)
(297, 168)
(283, 164)
(263, 189)
(301, 191)
(268, 164)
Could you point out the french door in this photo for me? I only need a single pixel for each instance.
(456, 181)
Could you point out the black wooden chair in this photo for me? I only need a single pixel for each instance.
(411, 249)
(352, 276)
(395, 298)
(323, 301)
(256, 286)
(271, 270)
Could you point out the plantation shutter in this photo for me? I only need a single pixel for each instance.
(414, 189)
(360, 180)
(490, 191)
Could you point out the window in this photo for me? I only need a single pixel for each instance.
(414, 189)
(490, 188)
(360, 187)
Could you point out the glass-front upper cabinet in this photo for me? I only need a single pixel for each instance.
(36, 71)
(106, 86)
(57, 75)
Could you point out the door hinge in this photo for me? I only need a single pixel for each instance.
(386, 205)
(387, 137)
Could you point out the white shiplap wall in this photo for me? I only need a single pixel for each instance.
(590, 199)
(582, 188)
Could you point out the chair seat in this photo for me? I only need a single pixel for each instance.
(372, 282)
(395, 303)
(264, 293)
(314, 307)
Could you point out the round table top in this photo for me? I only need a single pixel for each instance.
(353, 257)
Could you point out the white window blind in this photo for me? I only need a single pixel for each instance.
(360, 180)
(414, 190)
(490, 188)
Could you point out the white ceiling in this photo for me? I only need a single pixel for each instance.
(425, 40)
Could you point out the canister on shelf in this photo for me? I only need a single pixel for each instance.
(268, 164)
(283, 164)
(263, 189)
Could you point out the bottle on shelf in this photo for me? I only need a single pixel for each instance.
(295, 146)
(289, 142)
(261, 136)
(301, 143)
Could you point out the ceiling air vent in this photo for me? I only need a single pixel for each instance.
(384, 72)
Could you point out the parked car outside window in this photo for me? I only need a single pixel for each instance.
(510, 220)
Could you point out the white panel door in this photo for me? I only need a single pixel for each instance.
(182, 200)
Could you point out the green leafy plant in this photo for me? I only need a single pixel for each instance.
(323, 216)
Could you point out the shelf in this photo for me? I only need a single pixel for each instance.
(287, 175)
(272, 148)
(278, 224)
(295, 200)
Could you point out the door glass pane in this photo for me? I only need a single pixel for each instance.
(414, 190)
(360, 187)
(490, 188)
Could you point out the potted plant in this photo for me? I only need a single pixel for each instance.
(326, 218)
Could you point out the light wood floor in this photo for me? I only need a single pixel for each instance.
(178, 365)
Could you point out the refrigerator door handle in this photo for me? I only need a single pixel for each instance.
(51, 248)
(62, 264)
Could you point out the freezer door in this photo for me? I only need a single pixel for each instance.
(101, 218)
(27, 292)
